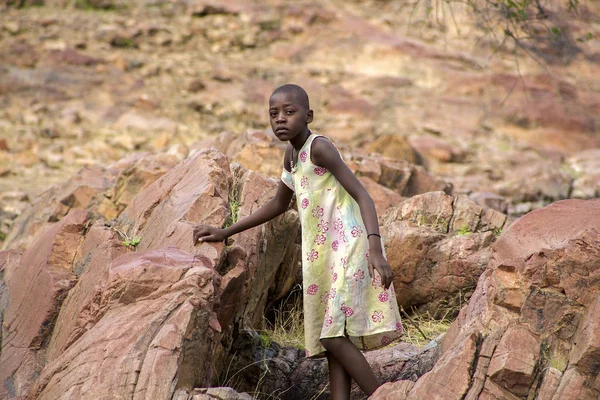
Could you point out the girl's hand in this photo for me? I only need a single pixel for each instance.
(205, 233)
(378, 262)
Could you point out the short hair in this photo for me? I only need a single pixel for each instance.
(299, 94)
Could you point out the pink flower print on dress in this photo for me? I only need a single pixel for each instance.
(383, 297)
(304, 203)
(320, 171)
(367, 255)
(377, 282)
(338, 224)
(312, 255)
(325, 297)
(303, 156)
(307, 353)
(323, 226)
(385, 340)
(312, 289)
(320, 239)
(317, 212)
(348, 311)
(332, 293)
(328, 321)
(377, 316)
(304, 182)
(343, 236)
(344, 261)
(399, 327)
(334, 245)
(359, 275)
(334, 277)
(356, 231)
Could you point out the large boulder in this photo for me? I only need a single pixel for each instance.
(531, 328)
(437, 246)
(35, 285)
(149, 329)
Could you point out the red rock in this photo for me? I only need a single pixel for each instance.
(572, 387)
(200, 185)
(37, 284)
(514, 361)
(586, 351)
(83, 191)
(134, 175)
(539, 284)
(398, 390)
(383, 197)
(550, 382)
(72, 57)
(451, 379)
(152, 322)
(77, 315)
(435, 149)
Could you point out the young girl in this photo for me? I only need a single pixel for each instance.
(349, 300)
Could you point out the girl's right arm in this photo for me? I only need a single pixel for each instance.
(276, 206)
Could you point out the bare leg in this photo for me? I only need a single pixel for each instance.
(352, 360)
(339, 379)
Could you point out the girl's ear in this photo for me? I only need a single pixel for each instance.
(309, 116)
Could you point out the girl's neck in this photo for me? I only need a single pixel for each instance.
(298, 141)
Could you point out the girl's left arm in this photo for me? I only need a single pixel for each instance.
(325, 155)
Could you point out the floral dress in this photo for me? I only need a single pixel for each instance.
(340, 298)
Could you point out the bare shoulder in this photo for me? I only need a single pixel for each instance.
(322, 150)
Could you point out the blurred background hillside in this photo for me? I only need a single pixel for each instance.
(494, 96)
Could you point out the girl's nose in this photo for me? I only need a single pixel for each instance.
(280, 118)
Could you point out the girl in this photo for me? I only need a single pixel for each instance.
(349, 302)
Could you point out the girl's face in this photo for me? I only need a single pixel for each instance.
(288, 117)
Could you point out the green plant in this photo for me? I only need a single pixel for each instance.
(497, 231)
(464, 231)
(132, 242)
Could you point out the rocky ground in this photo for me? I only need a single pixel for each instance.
(108, 110)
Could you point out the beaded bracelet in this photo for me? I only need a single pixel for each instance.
(374, 234)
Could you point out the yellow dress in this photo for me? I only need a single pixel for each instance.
(340, 298)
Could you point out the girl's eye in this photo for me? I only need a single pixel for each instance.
(273, 115)
(289, 112)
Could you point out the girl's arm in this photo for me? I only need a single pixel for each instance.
(325, 155)
(276, 206)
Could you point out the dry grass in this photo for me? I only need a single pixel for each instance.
(287, 329)
(421, 328)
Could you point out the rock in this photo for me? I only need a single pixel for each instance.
(536, 186)
(432, 258)
(287, 372)
(514, 361)
(544, 261)
(20, 53)
(36, 285)
(435, 149)
(83, 191)
(135, 174)
(144, 122)
(152, 320)
(394, 146)
(585, 167)
(71, 57)
(490, 200)
(383, 197)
